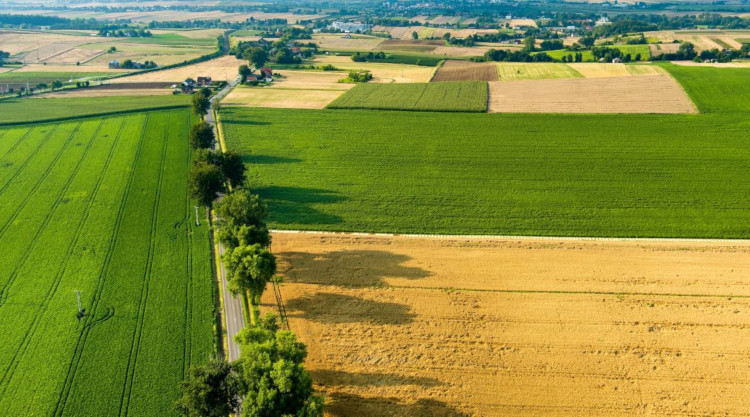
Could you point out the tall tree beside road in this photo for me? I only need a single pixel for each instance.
(210, 390)
(200, 105)
(249, 268)
(202, 136)
(271, 367)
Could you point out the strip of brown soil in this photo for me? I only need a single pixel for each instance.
(455, 70)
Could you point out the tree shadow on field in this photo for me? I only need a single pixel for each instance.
(268, 159)
(243, 122)
(329, 377)
(348, 268)
(293, 205)
(323, 307)
(341, 405)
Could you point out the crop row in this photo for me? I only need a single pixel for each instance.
(445, 96)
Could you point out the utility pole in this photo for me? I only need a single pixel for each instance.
(197, 222)
(80, 313)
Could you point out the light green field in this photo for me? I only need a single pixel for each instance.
(100, 206)
(509, 71)
(635, 49)
(557, 55)
(467, 96)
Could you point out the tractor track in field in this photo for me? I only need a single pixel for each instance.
(45, 222)
(29, 158)
(18, 142)
(143, 302)
(75, 360)
(187, 349)
(69, 251)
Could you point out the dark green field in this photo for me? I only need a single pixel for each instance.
(466, 96)
(33, 109)
(556, 175)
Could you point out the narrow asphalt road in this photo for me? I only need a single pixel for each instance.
(233, 315)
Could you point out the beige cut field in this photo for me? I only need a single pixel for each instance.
(220, 69)
(734, 64)
(702, 39)
(641, 94)
(296, 90)
(381, 72)
(409, 326)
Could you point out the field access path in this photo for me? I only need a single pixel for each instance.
(234, 318)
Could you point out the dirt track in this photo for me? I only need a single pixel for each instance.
(479, 326)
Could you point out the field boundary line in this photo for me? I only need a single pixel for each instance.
(94, 115)
(147, 273)
(75, 360)
(512, 237)
(610, 293)
(71, 246)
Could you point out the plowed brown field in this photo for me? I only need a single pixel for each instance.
(413, 326)
(453, 70)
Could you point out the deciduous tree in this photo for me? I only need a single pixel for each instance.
(271, 368)
(200, 105)
(202, 136)
(206, 181)
(211, 390)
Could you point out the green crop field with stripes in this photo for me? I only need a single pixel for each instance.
(100, 206)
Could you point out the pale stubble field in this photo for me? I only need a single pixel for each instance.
(514, 326)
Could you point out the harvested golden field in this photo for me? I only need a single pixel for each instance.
(437, 326)
(702, 39)
(641, 94)
(337, 42)
(453, 70)
(69, 68)
(597, 70)
(297, 90)
(220, 69)
(381, 72)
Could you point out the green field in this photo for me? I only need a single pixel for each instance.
(46, 77)
(558, 55)
(715, 90)
(509, 71)
(33, 109)
(635, 49)
(470, 96)
(552, 175)
(100, 206)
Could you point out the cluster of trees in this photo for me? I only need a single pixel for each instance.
(269, 378)
(3, 56)
(577, 57)
(608, 54)
(685, 52)
(724, 55)
(358, 76)
(130, 64)
(515, 56)
(116, 31)
(370, 56)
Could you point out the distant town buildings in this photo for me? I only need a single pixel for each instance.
(349, 27)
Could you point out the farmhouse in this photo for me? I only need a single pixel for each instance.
(204, 81)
